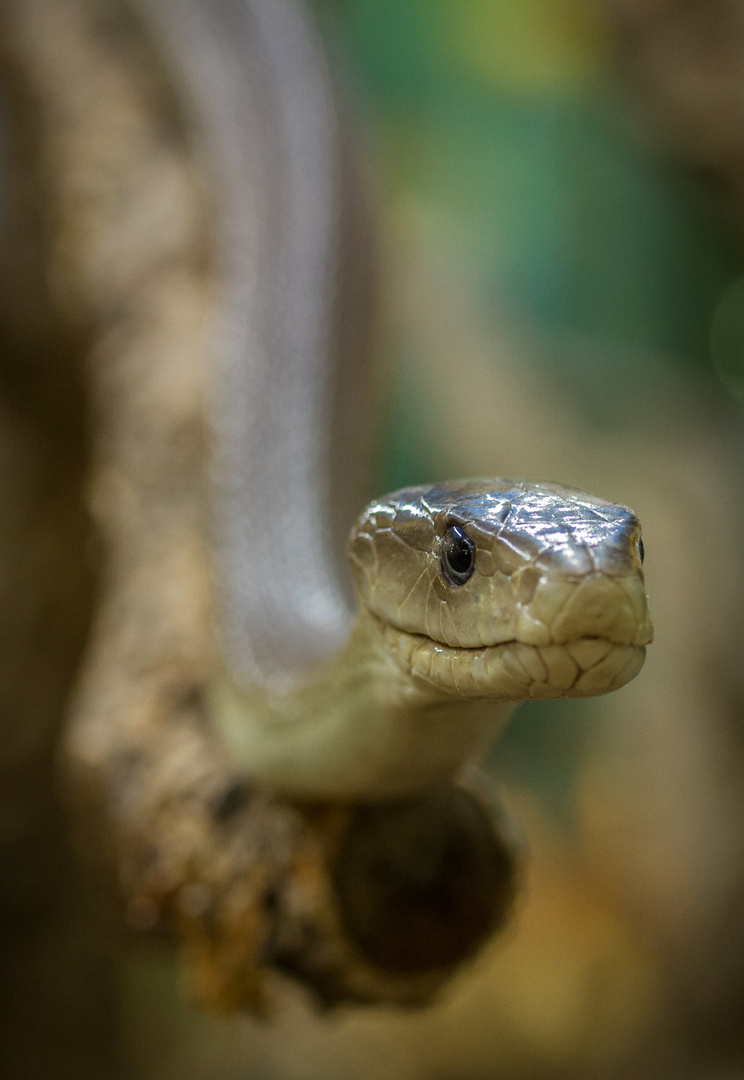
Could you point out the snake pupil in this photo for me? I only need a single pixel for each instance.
(641, 551)
(458, 556)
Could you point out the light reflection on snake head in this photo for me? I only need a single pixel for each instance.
(551, 566)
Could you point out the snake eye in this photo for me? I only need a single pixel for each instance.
(458, 556)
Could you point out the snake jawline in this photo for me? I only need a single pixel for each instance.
(396, 712)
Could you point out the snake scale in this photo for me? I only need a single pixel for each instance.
(471, 595)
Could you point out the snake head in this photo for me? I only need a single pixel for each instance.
(506, 589)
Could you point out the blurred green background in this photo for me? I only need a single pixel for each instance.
(503, 143)
(500, 126)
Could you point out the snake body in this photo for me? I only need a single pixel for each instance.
(263, 122)
(471, 595)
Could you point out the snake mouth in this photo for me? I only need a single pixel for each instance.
(514, 670)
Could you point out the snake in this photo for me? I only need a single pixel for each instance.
(460, 598)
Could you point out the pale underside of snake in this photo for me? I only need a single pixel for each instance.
(471, 595)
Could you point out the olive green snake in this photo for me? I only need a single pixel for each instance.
(471, 595)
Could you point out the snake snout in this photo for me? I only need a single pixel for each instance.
(612, 608)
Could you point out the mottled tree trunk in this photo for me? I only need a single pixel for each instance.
(57, 997)
(105, 298)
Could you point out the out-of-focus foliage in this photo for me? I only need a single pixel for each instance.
(505, 141)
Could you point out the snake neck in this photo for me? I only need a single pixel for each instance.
(365, 727)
